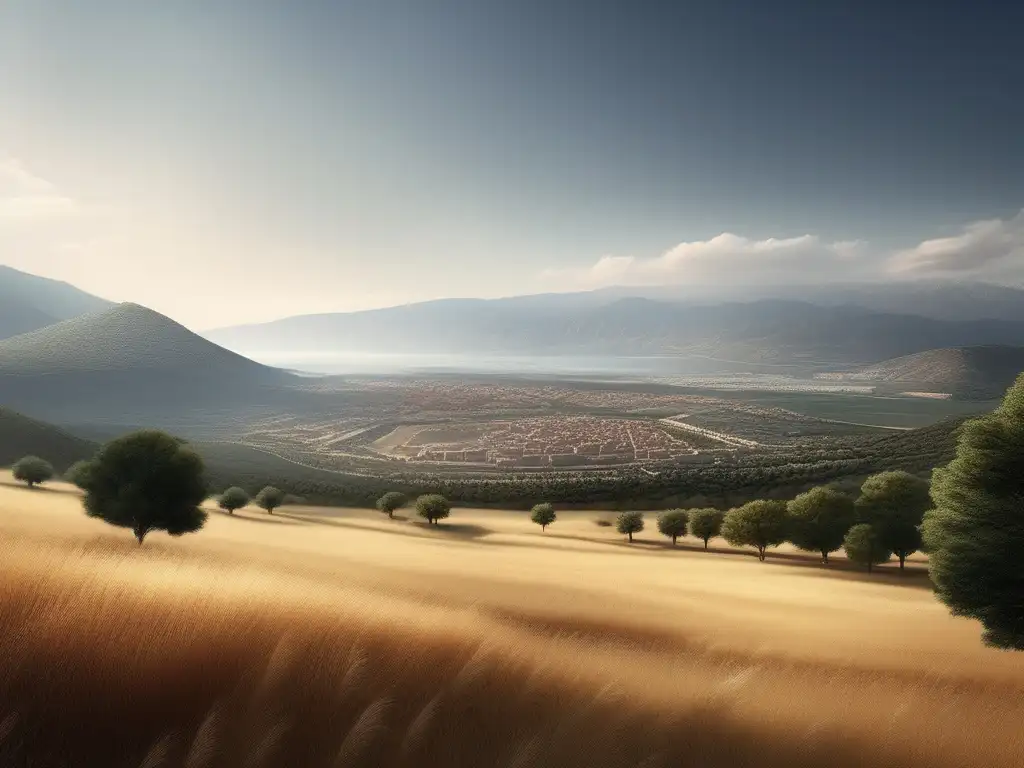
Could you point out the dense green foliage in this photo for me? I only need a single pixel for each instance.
(20, 435)
(233, 498)
(269, 498)
(895, 503)
(759, 524)
(543, 515)
(433, 507)
(629, 523)
(706, 523)
(819, 519)
(673, 523)
(390, 502)
(736, 480)
(147, 481)
(975, 534)
(78, 474)
(32, 470)
(864, 546)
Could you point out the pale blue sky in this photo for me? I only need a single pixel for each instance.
(234, 161)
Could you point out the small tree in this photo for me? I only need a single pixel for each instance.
(147, 481)
(78, 474)
(433, 507)
(895, 503)
(630, 523)
(975, 534)
(390, 502)
(819, 519)
(269, 498)
(233, 498)
(32, 471)
(706, 523)
(864, 546)
(673, 523)
(759, 524)
(543, 515)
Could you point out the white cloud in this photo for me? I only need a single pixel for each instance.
(983, 247)
(727, 258)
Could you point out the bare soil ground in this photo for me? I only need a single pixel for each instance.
(340, 638)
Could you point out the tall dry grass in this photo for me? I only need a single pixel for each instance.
(194, 655)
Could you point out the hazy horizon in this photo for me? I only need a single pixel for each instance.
(236, 163)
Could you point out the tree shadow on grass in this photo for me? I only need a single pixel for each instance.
(17, 486)
(275, 519)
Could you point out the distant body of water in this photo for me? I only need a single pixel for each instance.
(577, 365)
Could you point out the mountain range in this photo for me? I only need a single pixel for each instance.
(773, 331)
(29, 302)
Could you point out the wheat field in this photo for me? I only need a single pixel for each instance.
(334, 638)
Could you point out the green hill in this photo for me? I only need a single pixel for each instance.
(980, 372)
(20, 436)
(131, 365)
(29, 302)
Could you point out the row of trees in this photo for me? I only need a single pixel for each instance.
(885, 520)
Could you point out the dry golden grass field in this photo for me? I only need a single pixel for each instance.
(333, 638)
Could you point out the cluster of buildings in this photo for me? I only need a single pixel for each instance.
(562, 441)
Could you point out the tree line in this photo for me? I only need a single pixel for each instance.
(970, 522)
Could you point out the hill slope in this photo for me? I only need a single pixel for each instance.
(128, 364)
(980, 372)
(20, 436)
(777, 332)
(29, 302)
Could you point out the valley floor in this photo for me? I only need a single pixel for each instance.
(340, 638)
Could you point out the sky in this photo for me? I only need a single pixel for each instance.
(229, 162)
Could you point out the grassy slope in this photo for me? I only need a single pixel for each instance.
(20, 435)
(344, 639)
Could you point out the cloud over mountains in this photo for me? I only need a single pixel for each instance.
(988, 250)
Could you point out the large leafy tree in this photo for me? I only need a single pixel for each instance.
(819, 519)
(147, 481)
(629, 523)
(865, 546)
(233, 498)
(706, 523)
(673, 523)
(32, 470)
(760, 524)
(391, 501)
(543, 515)
(974, 536)
(269, 498)
(433, 507)
(894, 503)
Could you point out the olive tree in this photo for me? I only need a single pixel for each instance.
(433, 507)
(78, 473)
(543, 515)
(760, 524)
(233, 498)
(673, 523)
(864, 545)
(270, 498)
(629, 523)
(706, 523)
(895, 503)
(391, 501)
(147, 481)
(974, 536)
(32, 471)
(819, 520)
